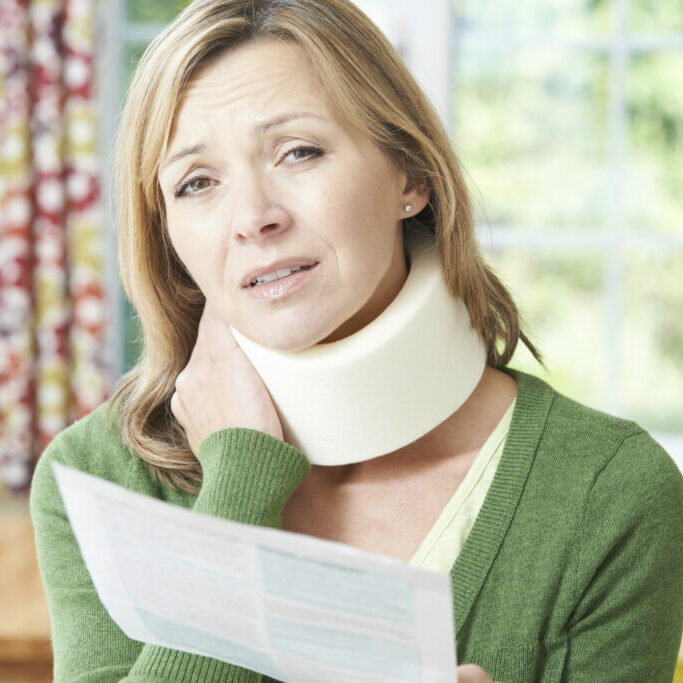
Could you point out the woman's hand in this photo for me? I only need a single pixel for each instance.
(471, 673)
(220, 388)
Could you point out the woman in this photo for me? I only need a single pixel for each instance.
(274, 156)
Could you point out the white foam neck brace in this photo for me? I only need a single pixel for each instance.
(385, 386)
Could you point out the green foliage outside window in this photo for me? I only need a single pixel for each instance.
(655, 164)
(549, 147)
(154, 11)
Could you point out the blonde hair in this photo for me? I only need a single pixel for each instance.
(366, 79)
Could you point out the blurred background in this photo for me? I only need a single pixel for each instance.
(566, 114)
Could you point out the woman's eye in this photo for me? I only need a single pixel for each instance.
(303, 153)
(194, 185)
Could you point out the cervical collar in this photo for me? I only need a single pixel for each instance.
(384, 386)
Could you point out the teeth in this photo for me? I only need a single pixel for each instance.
(278, 275)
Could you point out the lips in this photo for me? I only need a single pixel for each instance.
(276, 265)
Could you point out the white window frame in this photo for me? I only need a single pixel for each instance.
(110, 31)
(420, 30)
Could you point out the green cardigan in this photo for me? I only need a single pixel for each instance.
(573, 569)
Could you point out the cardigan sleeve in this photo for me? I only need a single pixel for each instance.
(626, 625)
(249, 477)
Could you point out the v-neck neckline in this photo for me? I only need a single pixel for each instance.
(461, 505)
(469, 571)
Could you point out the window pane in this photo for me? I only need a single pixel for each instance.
(132, 335)
(657, 15)
(133, 53)
(533, 16)
(154, 11)
(652, 361)
(531, 129)
(377, 10)
(655, 169)
(563, 310)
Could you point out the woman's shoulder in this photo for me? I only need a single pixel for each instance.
(583, 444)
(93, 444)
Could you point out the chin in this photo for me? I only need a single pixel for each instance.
(288, 340)
(297, 331)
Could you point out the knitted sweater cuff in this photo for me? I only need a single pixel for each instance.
(248, 476)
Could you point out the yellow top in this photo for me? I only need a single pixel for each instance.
(446, 538)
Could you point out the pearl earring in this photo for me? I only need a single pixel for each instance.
(408, 208)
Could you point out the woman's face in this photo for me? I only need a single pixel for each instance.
(261, 174)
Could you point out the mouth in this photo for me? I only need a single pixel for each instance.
(277, 270)
(279, 285)
(276, 275)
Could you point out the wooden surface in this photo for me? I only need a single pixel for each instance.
(25, 652)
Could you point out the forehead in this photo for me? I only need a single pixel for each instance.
(250, 83)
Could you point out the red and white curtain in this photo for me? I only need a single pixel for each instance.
(52, 298)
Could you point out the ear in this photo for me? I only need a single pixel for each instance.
(415, 196)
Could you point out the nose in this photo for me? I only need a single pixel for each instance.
(257, 212)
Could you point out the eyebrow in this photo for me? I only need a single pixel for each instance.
(257, 130)
(186, 152)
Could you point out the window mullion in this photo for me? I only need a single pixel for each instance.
(141, 32)
(614, 274)
(110, 96)
(426, 48)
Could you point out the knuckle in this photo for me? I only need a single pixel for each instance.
(175, 405)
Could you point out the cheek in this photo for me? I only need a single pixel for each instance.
(360, 201)
(187, 248)
(180, 242)
(375, 189)
(201, 252)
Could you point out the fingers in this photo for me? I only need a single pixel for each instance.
(219, 387)
(214, 336)
(177, 406)
(179, 411)
(221, 342)
(471, 673)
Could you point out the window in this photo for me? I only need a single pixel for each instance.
(568, 119)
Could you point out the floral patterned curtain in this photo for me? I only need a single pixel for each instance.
(52, 299)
